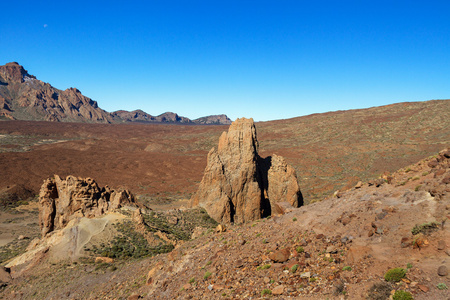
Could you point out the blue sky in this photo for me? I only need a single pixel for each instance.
(262, 59)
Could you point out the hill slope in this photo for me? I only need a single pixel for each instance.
(23, 97)
(340, 248)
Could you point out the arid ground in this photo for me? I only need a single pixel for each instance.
(163, 163)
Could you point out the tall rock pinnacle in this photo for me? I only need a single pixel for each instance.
(238, 185)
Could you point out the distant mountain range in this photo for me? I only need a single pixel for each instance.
(23, 97)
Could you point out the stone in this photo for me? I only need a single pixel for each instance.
(238, 185)
(61, 200)
(5, 275)
(359, 185)
(280, 256)
(153, 273)
(278, 290)
(102, 259)
(305, 275)
(441, 245)
(442, 271)
(423, 288)
(405, 242)
(221, 228)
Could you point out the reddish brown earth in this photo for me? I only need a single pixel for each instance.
(339, 248)
(329, 151)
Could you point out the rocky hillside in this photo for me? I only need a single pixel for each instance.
(214, 119)
(23, 97)
(168, 117)
(381, 238)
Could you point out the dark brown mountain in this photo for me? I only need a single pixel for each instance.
(214, 119)
(168, 117)
(23, 97)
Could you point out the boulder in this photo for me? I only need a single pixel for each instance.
(238, 185)
(61, 200)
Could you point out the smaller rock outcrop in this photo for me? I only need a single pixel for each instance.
(238, 185)
(61, 200)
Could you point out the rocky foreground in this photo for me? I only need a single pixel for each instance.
(339, 248)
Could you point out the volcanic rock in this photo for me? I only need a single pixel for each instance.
(62, 200)
(24, 97)
(238, 185)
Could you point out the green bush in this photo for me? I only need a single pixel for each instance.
(263, 267)
(347, 268)
(425, 228)
(294, 268)
(395, 274)
(402, 295)
(266, 292)
(442, 286)
(207, 275)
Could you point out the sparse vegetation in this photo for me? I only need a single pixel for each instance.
(294, 219)
(347, 268)
(264, 267)
(425, 228)
(129, 244)
(294, 268)
(300, 249)
(207, 275)
(442, 286)
(266, 292)
(379, 291)
(402, 295)
(395, 274)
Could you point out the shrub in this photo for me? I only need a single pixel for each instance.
(294, 268)
(409, 266)
(442, 286)
(192, 280)
(300, 249)
(207, 275)
(402, 295)
(266, 292)
(347, 268)
(395, 274)
(379, 291)
(294, 219)
(263, 267)
(425, 228)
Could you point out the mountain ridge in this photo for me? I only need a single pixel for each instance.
(24, 97)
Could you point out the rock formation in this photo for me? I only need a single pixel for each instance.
(214, 119)
(63, 200)
(24, 97)
(238, 185)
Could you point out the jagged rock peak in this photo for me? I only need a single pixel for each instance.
(61, 200)
(14, 72)
(238, 185)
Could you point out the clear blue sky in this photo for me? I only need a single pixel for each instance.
(262, 59)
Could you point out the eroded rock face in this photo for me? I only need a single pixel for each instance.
(238, 185)
(61, 200)
(24, 97)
